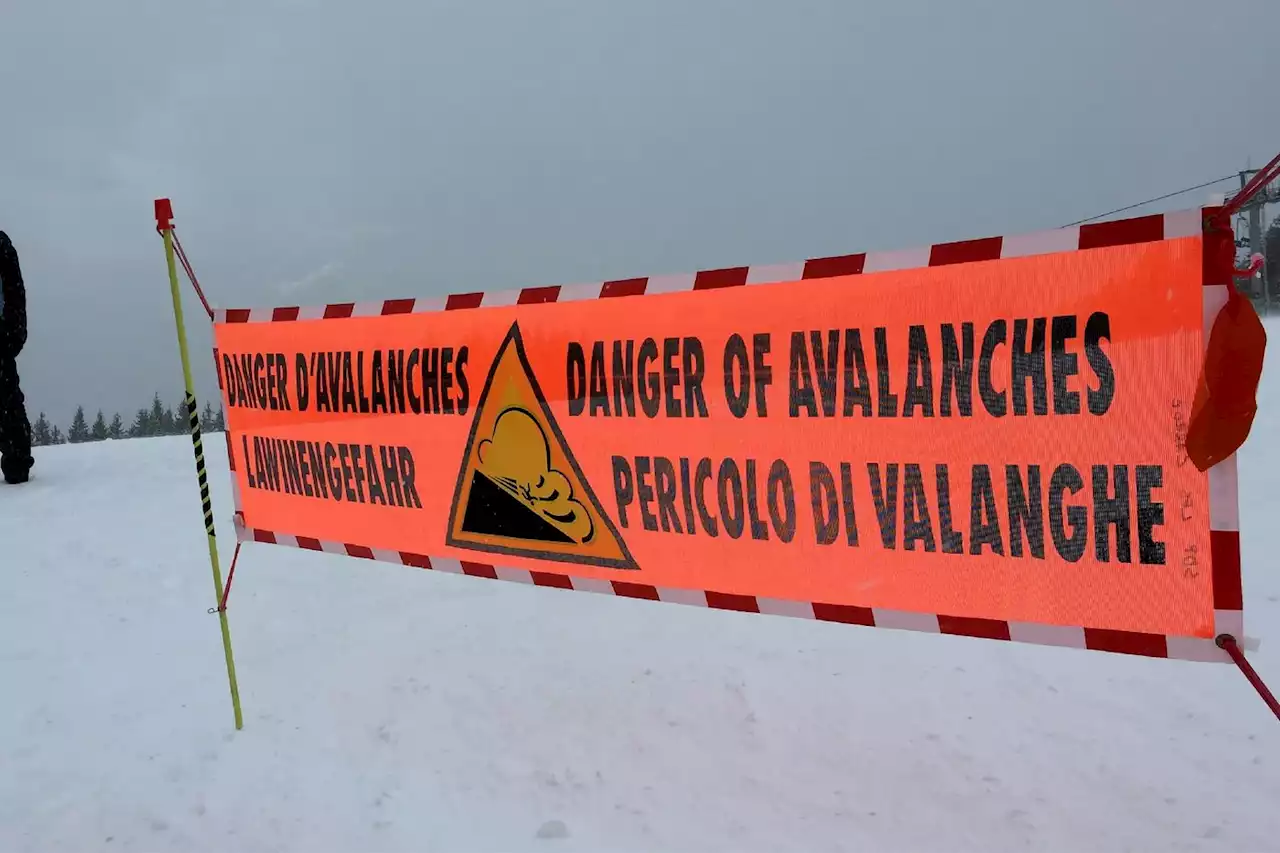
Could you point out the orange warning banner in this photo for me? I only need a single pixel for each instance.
(1000, 439)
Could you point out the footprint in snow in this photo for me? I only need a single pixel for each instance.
(553, 829)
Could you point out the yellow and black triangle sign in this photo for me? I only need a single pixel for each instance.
(520, 492)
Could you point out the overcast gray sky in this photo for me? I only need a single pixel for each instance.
(318, 150)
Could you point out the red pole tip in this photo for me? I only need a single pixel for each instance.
(164, 213)
(1229, 644)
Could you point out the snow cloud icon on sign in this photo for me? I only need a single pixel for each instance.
(517, 460)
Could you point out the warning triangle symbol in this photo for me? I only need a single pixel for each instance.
(520, 492)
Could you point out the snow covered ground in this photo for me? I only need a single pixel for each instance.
(394, 709)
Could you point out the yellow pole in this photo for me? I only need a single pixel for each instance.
(164, 215)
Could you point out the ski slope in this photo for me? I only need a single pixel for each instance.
(394, 709)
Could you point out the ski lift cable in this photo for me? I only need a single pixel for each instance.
(1151, 200)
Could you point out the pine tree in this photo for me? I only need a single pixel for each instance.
(181, 418)
(79, 427)
(220, 419)
(206, 418)
(56, 437)
(157, 422)
(116, 430)
(141, 426)
(99, 430)
(41, 432)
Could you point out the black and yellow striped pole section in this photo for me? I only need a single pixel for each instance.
(164, 224)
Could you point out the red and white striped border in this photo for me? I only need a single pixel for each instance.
(1223, 483)
(1118, 233)
(1097, 639)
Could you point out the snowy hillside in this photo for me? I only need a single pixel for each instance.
(394, 709)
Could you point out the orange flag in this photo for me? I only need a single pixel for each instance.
(1226, 395)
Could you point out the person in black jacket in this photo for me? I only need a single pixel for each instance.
(15, 429)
